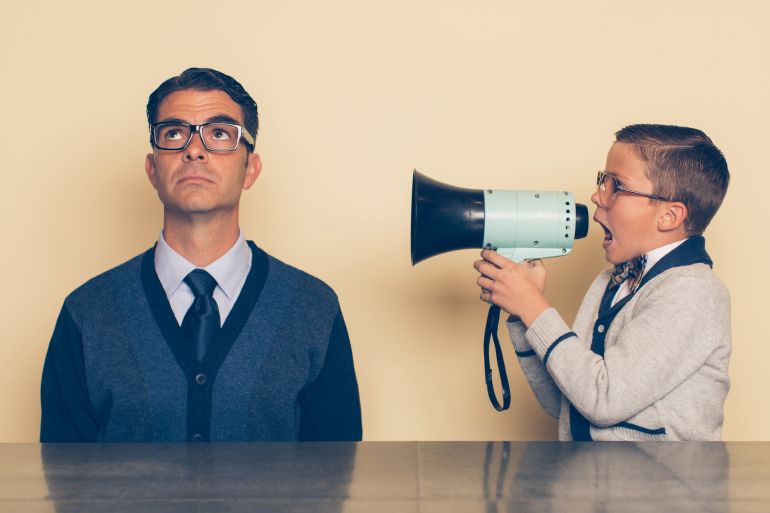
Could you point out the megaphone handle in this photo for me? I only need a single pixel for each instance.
(493, 319)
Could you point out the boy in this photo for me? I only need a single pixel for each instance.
(647, 357)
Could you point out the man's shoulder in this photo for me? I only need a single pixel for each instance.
(123, 278)
(302, 281)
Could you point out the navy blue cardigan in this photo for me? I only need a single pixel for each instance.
(118, 368)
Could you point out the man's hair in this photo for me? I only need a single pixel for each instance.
(206, 79)
(684, 165)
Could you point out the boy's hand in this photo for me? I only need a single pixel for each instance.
(516, 288)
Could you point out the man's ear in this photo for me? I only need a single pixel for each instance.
(673, 217)
(253, 168)
(149, 167)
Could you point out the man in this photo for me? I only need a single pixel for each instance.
(204, 337)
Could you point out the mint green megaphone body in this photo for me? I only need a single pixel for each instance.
(520, 225)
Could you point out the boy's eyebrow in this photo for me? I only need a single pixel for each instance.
(618, 176)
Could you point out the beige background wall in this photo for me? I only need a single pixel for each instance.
(353, 96)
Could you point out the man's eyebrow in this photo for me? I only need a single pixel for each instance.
(221, 118)
(171, 120)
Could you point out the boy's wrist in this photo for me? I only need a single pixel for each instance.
(533, 310)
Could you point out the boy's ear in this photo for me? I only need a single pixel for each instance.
(673, 216)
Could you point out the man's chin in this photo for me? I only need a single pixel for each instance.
(191, 209)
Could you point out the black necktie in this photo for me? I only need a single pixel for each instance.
(201, 322)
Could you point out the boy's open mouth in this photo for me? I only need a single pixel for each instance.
(607, 235)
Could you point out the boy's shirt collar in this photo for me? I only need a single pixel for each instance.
(653, 257)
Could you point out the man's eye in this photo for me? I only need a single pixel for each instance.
(220, 134)
(172, 134)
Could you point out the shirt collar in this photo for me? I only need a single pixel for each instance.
(229, 270)
(654, 256)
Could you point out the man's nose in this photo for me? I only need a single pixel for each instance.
(195, 150)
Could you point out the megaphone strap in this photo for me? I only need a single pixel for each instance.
(493, 320)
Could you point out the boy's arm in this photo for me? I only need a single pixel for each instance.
(546, 391)
(674, 328)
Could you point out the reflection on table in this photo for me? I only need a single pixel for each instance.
(386, 477)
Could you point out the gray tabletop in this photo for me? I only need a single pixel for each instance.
(387, 477)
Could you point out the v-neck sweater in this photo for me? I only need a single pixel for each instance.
(119, 369)
(654, 366)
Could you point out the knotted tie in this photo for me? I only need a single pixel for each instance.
(631, 271)
(201, 322)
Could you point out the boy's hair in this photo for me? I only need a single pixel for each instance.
(683, 164)
(206, 79)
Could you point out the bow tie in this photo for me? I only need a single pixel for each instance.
(631, 270)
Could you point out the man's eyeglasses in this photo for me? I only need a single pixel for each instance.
(215, 136)
(608, 187)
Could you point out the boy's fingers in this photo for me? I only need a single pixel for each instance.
(485, 268)
(485, 283)
(495, 258)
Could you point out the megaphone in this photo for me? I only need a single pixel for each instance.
(520, 225)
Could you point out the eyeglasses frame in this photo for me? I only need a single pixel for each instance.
(600, 177)
(242, 134)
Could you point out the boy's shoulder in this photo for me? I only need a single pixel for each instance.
(695, 280)
(696, 283)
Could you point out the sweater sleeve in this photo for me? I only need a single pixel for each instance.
(670, 334)
(329, 406)
(67, 412)
(545, 390)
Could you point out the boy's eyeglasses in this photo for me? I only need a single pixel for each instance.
(608, 187)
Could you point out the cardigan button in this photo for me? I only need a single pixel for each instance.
(600, 328)
(200, 379)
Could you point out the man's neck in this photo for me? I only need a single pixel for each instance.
(201, 240)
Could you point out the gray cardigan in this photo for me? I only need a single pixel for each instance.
(661, 371)
(119, 368)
